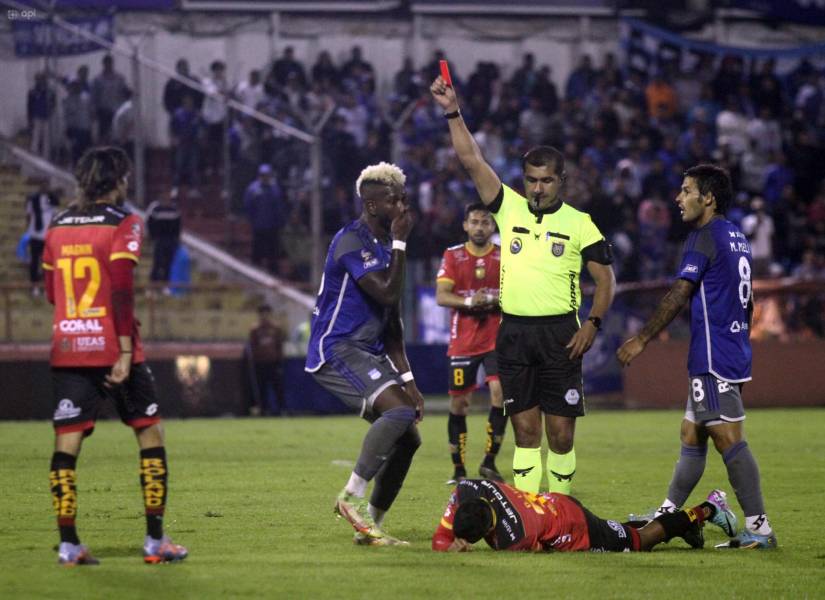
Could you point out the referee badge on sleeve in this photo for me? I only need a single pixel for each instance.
(557, 248)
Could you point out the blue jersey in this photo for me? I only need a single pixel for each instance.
(717, 258)
(343, 311)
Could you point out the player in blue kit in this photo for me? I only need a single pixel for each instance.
(356, 347)
(715, 276)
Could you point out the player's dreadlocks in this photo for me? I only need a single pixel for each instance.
(473, 519)
(99, 171)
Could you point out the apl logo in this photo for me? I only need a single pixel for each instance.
(515, 246)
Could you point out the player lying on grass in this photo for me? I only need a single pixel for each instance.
(509, 519)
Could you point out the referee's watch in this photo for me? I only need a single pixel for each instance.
(597, 322)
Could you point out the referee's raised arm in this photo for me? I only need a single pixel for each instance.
(485, 179)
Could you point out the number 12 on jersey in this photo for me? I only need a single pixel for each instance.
(82, 267)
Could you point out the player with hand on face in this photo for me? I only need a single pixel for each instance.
(356, 347)
(467, 282)
(715, 278)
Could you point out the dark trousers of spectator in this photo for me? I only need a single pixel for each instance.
(35, 256)
(213, 149)
(266, 248)
(164, 252)
(187, 157)
(104, 124)
(80, 140)
(269, 375)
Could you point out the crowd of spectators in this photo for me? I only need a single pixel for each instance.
(627, 137)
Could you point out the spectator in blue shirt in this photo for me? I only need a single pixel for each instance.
(265, 208)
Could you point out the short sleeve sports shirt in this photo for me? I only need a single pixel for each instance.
(541, 256)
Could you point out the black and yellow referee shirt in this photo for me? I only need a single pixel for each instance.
(541, 255)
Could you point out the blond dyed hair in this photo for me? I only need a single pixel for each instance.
(383, 172)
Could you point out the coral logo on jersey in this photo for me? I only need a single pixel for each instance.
(133, 246)
(557, 249)
(515, 246)
(80, 326)
(66, 410)
(572, 396)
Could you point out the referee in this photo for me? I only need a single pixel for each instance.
(540, 342)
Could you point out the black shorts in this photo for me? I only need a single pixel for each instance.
(79, 393)
(609, 536)
(464, 371)
(535, 368)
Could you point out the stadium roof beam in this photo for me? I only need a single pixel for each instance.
(592, 8)
(365, 6)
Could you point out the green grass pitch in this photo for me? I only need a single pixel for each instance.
(252, 499)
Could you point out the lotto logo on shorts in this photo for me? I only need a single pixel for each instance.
(617, 527)
(66, 410)
(152, 409)
(572, 396)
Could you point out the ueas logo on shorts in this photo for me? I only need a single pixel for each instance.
(515, 246)
(572, 396)
(66, 410)
(557, 249)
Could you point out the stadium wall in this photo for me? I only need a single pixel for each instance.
(784, 374)
(211, 380)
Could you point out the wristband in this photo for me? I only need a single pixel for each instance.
(468, 301)
(407, 377)
(399, 245)
(452, 115)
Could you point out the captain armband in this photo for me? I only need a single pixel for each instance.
(601, 252)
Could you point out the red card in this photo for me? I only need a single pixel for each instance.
(445, 72)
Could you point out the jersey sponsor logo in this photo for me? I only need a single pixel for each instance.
(557, 248)
(573, 300)
(738, 326)
(66, 410)
(81, 220)
(374, 374)
(90, 343)
(133, 246)
(515, 246)
(80, 326)
(690, 269)
(572, 396)
(562, 539)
